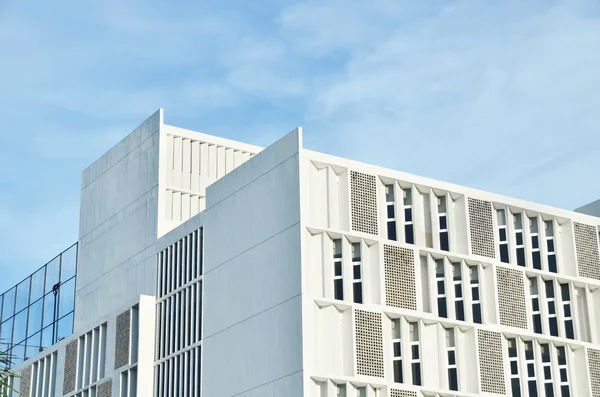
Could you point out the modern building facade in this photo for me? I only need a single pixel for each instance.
(215, 268)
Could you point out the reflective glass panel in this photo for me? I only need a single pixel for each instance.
(8, 304)
(52, 273)
(20, 327)
(33, 346)
(68, 263)
(35, 318)
(65, 327)
(48, 309)
(37, 284)
(66, 299)
(22, 295)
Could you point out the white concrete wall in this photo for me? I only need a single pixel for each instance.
(118, 224)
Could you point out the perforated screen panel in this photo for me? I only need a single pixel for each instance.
(402, 393)
(511, 297)
(491, 362)
(586, 244)
(25, 382)
(122, 339)
(399, 267)
(70, 371)
(594, 368)
(481, 226)
(363, 198)
(369, 343)
(105, 389)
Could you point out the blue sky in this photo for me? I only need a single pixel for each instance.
(497, 95)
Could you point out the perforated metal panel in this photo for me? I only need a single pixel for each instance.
(481, 226)
(491, 362)
(105, 389)
(594, 368)
(399, 267)
(122, 340)
(363, 198)
(70, 367)
(586, 244)
(402, 393)
(511, 297)
(369, 343)
(25, 382)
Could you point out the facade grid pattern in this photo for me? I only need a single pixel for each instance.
(481, 225)
(511, 297)
(363, 197)
(369, 344)
(593, 356)
(491, 362)
(399, 267)
(586, 245)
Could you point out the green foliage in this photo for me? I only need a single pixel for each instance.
(5, 373)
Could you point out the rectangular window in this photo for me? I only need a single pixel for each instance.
(547, 370)
(443, 217)
(552, 266)
(535, 305)
(567, 313)
(459, 303)
(338, 276)
(357, 273)
(513, 358)
(519, 246)
(530, 363)
(451, 356)
(415, 360)
(409, 233)
(551, 300)
(397, 351)
(475, 296)
(561, 354)
(502, 235)
(390, 203)
(361, 391)
(441, 288)
(536, 255)
(341, 390)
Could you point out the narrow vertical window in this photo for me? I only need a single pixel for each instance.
(563, 370)
(459, 303)
(390, 204)
(475, 296)
(547, 370)
(409, 232)
(535, 305)
(536, 256)
(568, 316)
(361, 391)
(519, 246)
(513, 358)
(397, 353)
(530, 363)
(357, 273)
(443, 215)
(341, 390)
(441, 288)
(502, 235)
(549, 225)
(338, 277)
(451, 355)
(551, 299)
(415, 354)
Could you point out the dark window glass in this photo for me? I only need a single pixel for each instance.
(410, 238)
(562, 358)
(512, 350)
(416, 374)
(339, 289)
(533, 388)
(535, 304)
(444, 243)
(521, 256)
(569, 329)
(553, 326)
(567, 309)
(460, 311)
(442, 310)
(551, 308)
(398, 377)
(516, 387)
(514, 368)
(451, 357)
(564, 391)
(477, 313)
(408, 215)
(358, 296)
(453, 378)
(537, 324)
(415, 351)
(391, 213)
(356, 272)
(552, 263)
(441, 287)
(443, 223)
(535, 242)
(549, 289)
(564, 292)
(338, 268)
(391, 231)
(458, 290)
(563, 375)
(549, 387)
(545, 353)
(397, 349)
(475, 293)
(502, 234)
(530, 370)
(547, 373)
(504, 253)
(550, 245)
(537, 260)
(519, 237)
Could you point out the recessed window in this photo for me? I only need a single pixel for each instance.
(338, 273)
(443, 223)
(476, 302)
(390, 202)
(502, 235)
(408, 217)
(357, 284)
(397, 351)
(441, 288)
(451, 356)
(519, 247)
(415, 356)
(535, 305)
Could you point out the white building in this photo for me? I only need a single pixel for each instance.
(211, 266)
